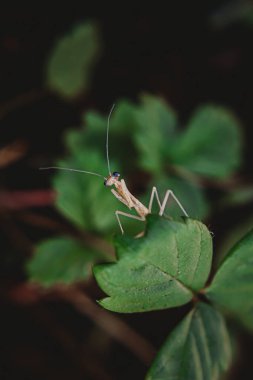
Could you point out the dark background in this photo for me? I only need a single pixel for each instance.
(178, 53)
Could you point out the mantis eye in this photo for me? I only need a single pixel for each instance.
(116, 174)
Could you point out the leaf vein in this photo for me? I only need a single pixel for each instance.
(170, 276)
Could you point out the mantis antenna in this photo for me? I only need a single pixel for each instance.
(72, 170)
(107, 140)
(107, 155)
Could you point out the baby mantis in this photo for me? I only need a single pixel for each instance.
(122, 193)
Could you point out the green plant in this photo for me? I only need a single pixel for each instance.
(149, 136)
(169, 266)
(71, 62)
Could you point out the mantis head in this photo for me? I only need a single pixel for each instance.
(111, 179)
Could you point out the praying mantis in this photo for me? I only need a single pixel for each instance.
(121, 192)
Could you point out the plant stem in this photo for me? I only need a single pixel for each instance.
(22, 100)
(114, 326)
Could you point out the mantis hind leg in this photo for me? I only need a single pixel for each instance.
(165, 200)
(162, 205)
(154, 193)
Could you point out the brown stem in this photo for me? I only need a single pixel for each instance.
(42, 221)
(82, 357)
(19, 199)
(22, 100)
(12, 152)
(110, 323)
(114, 326)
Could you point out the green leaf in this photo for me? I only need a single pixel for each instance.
(211, 145)
(232, 286)
(158, 271)
(71, 62)
(61, 260)
(190, 196)
(155, 133)
(198, 348)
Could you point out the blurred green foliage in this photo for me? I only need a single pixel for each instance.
(239, 196)
(211, 144)
(155, 133)
(232, 12)
(61, 260)
(72, 60)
